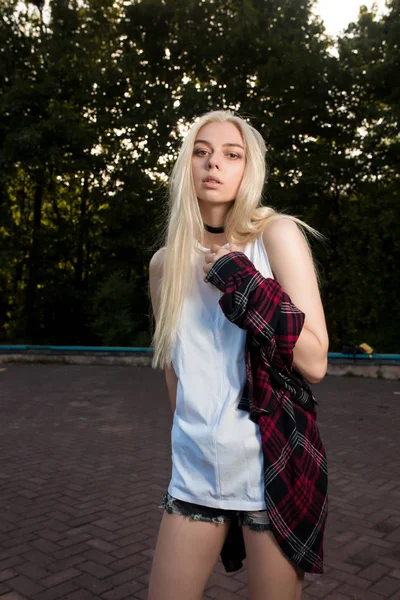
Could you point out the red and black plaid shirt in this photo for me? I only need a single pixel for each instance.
(281, 402)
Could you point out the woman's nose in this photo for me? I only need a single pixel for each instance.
(213, 163)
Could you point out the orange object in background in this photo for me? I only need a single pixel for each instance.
(366, 348)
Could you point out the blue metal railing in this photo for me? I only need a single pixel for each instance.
(129, 349)
(76, 348)
(394, 357)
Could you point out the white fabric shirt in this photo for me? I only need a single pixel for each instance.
(216, 449)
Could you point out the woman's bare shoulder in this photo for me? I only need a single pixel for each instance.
(284, 238)
(155, 276)
(157, 261)
(280, 230)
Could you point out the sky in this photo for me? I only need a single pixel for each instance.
(337, 14)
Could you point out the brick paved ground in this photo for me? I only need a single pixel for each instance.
(84, 459)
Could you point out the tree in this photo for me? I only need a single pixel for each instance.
(94, 100)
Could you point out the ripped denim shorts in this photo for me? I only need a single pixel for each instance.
(255, 520)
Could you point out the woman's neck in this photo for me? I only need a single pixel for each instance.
(213, 216)
(213, 238)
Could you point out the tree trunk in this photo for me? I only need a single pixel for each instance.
(32, 324)
(82, 235)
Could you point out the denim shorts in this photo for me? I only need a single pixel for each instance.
(255, 520)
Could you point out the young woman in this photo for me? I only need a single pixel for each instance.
(217, 472)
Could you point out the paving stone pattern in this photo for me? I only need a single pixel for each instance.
(85, 458)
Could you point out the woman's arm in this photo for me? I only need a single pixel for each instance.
(155, 276)
(172, 384)
(293, 268)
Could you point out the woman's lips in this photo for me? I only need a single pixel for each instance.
(211, 184)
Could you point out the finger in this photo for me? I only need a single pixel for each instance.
(209, 258)
(233, 248)
(215, 248)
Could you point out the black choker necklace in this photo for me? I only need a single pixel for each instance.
(214, 229)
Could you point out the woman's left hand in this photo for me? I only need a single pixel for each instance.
(215, 253)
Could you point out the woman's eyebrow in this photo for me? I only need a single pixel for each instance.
(203, 142)
(208, 144)
(237, 145)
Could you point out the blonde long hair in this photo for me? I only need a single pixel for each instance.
(245, 222)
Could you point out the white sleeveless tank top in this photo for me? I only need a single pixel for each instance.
(216, 448)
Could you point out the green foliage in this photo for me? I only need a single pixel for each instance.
(113, 320)
(92, 97)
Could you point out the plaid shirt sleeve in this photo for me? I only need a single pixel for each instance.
(281, 402)
(257, 304)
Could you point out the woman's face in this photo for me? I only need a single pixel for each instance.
(218, 162)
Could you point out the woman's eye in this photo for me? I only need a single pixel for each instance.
(233, 155)
(201, 152)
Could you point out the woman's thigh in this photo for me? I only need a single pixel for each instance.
(271, 576)
(185, 555)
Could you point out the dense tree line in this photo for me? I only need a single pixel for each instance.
(94, 97)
